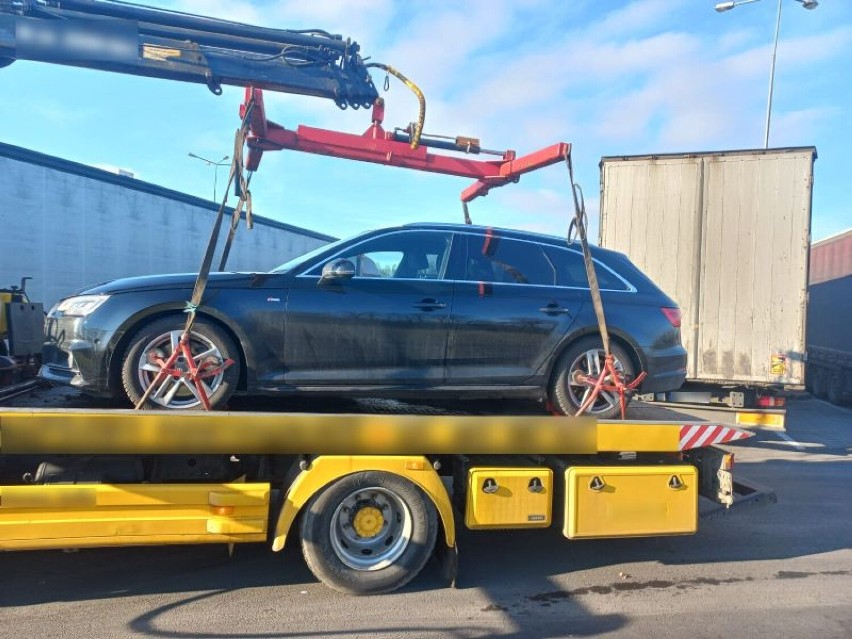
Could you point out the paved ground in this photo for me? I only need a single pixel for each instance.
(777, 571)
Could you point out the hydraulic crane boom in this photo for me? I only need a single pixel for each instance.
(138, 40)
(108, 35)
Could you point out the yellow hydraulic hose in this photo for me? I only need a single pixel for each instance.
(421, 118)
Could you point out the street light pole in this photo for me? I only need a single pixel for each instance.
(772, 77)
(806, 4)
(216, 166)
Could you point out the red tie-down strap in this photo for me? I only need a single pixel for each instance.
(192, 373)
(610, 380)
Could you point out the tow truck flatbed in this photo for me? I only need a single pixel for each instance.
(372, 495)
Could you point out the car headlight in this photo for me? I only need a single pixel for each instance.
(81, 305)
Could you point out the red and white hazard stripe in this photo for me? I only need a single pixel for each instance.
(698, 435)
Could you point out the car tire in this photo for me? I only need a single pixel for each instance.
(368, 533)
(207, 341)
(567, 398)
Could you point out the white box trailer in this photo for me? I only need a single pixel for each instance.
(726, 234)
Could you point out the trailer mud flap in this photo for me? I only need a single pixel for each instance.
(89, 515)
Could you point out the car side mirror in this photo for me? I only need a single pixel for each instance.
(339, 269)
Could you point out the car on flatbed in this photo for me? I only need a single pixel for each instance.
(419, 310)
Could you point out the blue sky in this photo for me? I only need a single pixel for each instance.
(612, 77)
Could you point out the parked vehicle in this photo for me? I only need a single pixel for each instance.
(726, 235)
(829, 317)
(441, 309)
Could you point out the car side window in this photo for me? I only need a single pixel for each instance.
(571, 270)
(399, 255)
(491, 258)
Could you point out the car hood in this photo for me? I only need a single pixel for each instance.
(172, 281)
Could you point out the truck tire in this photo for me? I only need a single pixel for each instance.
(587, 356)
(819, 382)
(368, 533)
(834, 387)
(208, 342)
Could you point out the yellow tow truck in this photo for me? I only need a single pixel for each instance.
(370, 500)
(370, 496)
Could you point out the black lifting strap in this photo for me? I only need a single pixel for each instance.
(207, 262)
(579, 224)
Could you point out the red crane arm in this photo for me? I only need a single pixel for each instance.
(382, 147)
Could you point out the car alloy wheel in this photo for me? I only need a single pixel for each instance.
(210, 348)
(586, 358)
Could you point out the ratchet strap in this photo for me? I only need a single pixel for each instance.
(610, 379)
(196, 374)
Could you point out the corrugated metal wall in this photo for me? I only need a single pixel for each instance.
(726, 235)
(831, 258)
(68, 230)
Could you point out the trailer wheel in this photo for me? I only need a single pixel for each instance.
(587, 356)
(819, 383)
(368, 533)
(208, 343)
(834, 387)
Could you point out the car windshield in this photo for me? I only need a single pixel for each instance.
(301, 259)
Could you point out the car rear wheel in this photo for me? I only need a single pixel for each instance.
(587, 357)
(369, 533)
(209, 346)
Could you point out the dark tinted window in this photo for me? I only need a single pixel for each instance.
(495, 259)
(571, 270)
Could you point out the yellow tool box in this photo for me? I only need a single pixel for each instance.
(509, 498)
(630, 501)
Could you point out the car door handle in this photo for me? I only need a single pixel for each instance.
(554, 309)
(430, 305)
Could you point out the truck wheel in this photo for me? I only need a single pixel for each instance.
(834, 387)
(819, 382)
(208, 343)
(587, 356)
(368, 533)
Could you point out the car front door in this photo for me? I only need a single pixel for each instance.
(508, 314)
(385, 324)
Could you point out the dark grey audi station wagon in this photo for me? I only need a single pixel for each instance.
(426, 309)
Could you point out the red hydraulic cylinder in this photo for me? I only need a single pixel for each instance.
(378, 146)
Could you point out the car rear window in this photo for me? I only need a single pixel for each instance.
(571, 270)
(491, 258)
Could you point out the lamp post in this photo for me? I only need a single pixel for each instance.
(727, 6)
(216, 166)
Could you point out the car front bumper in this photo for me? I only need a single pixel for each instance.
(76, 355)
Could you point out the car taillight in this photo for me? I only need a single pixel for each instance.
(769, 401)
(673, 315)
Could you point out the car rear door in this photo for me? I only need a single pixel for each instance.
(386, 326)
(508, 314)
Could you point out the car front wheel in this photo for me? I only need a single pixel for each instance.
(210, 348)
(586, 357)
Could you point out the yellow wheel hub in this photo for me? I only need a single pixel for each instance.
(368, 521)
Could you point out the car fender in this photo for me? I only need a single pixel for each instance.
(585, 331)
(147, 314)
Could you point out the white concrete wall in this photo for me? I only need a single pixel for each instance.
(69, 231)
